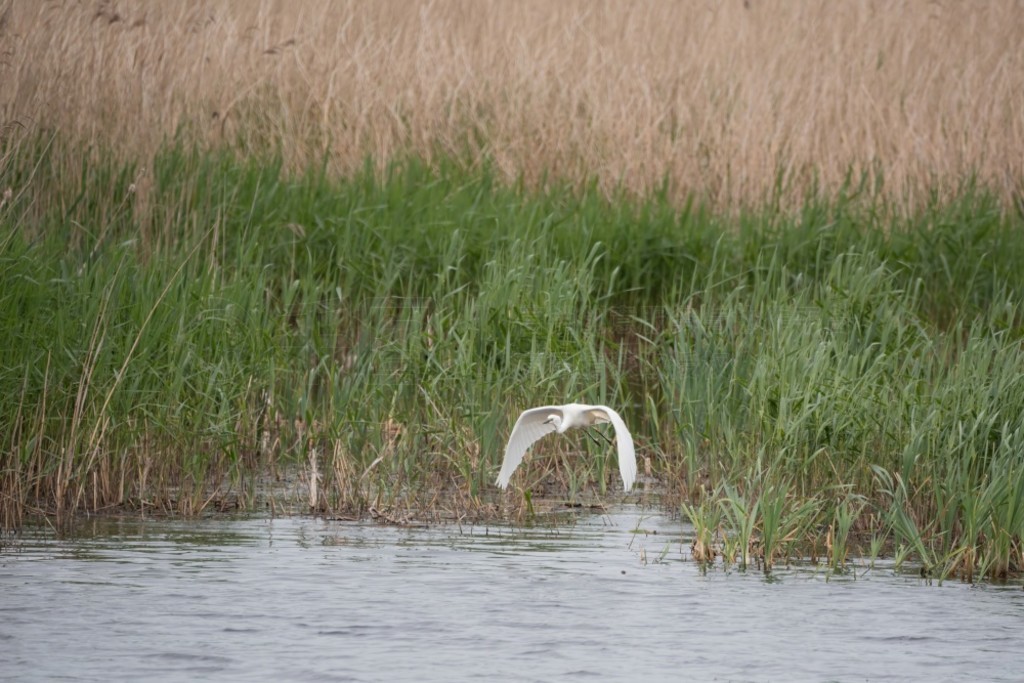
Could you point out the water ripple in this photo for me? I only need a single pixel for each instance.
(300, 599)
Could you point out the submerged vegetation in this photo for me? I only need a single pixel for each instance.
(301, 262)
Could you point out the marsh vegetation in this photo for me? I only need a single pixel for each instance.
(246, 241)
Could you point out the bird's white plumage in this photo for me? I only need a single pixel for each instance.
(531, 425)
(536, 422)
(627, 455)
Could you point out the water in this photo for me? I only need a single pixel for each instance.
(308, 599)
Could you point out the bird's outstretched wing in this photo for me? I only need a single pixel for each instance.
(624, 441)
(529, 427)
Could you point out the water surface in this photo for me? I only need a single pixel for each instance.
(313, 599)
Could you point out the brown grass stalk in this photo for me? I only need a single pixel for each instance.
(723, 99)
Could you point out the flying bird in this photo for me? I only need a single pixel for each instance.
(536, 422)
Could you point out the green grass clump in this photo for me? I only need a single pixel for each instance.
(172, 337)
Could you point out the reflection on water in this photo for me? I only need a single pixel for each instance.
(310, 599)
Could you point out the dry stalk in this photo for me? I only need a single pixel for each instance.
(735, 101)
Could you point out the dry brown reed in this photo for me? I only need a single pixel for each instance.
(721, 99)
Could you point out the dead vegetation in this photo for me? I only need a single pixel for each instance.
(734, 101)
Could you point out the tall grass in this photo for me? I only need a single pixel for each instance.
(805, 372)
(739, 102)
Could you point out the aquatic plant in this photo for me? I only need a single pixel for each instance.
(278, 315)
(845, 513)
(706, 517)
(741, 512)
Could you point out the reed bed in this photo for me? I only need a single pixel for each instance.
(800, 378)
(737, 101)
(327, 252)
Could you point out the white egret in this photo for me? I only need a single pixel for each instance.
(536, 422)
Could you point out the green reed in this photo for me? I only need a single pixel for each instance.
(705, 515)
(193, 333)
(845, 514)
